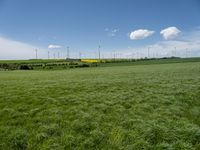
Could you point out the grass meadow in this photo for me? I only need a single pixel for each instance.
(153, 107)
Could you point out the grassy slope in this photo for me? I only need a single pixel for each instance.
(31, 61)
(154, 61)
(122, 107)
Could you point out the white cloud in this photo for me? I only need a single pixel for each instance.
(111, 32)
(54, 46)
(10, 49)
(170, 33)
(187, 46)
(141, 34)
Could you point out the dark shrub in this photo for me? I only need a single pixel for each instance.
(83, 65)
(5, 66)
(9, 66)
(73, 63)
(25, 67)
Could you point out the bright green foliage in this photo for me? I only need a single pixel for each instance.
(153, 107)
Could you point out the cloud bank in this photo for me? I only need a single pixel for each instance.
(52, 46)
(10, 49)
(170, 33)
(141, 34)
(187, 45)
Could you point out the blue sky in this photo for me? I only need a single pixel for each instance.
(84, 24)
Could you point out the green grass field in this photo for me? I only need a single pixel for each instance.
(60, 64)
(131, 107)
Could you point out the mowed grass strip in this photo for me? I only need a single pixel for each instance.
(121, 107)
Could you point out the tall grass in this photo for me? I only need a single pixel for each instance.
(123, 107)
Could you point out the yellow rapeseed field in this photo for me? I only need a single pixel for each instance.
(90, 60)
